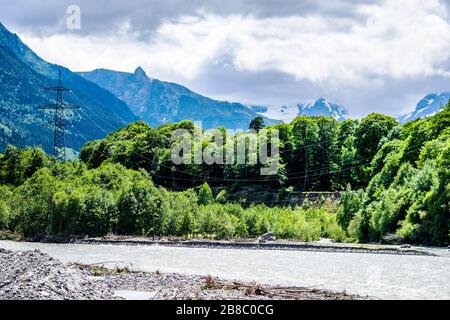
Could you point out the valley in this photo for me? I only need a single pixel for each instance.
(213, 150)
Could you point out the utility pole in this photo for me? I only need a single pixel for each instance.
(59, 142)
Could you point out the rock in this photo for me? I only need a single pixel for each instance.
(405, 246)
(33, 275)
(267, 237)
(392, 238)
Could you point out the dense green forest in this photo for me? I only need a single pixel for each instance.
(393, 179)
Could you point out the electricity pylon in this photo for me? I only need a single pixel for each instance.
(59, 143)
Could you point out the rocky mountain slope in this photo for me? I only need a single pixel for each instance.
(159, 102)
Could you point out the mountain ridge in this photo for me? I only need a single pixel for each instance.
(322, 107)
(160, 102)
(319, 107)
(428, 106)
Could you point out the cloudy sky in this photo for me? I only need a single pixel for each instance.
(380, 55)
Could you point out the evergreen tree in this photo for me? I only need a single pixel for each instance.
(257, 124)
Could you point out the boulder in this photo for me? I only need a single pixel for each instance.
(392, 238)
(267, 237)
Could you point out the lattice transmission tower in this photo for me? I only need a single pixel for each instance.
(59, 142)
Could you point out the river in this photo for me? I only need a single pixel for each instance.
(380, 276)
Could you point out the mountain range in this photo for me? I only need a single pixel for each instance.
(426, 107)
(159, 102)
(322, 107)
(319, 107)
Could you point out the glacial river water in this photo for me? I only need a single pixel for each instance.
(376, 275)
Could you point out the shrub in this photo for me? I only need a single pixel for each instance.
(142, 210)
(30, 204)
(222, 197)
(350, 203)
(4, 215)
(205, 195)
(182, 212)
(98, 212)
(359, 227)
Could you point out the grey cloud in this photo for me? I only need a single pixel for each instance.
(101, 17)
(393, 96)
(386, 95)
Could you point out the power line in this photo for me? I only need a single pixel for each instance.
(290, 176)
(59, 139)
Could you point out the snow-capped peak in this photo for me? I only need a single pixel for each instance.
(428, 106)
(322, 107)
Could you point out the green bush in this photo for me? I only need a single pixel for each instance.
(142, 210)
(4, 215)
(222, 197)
(97, 213)
(205, 195)
(182, 213)
(30, 203)
(350, 204)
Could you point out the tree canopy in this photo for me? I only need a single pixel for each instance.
(394, 179)
(257, 124)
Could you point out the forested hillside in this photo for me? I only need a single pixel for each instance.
(409, 192)
(23, 78)
(395, 180)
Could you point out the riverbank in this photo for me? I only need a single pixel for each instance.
(384, 276)
(324, 245)
(33, 275)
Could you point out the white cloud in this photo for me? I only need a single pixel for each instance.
(397, 39)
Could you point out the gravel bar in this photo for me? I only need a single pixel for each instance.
(256, 245)
(33, 275)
